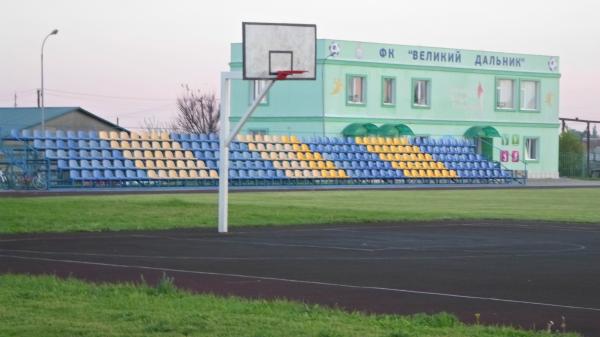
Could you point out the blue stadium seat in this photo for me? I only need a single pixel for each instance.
(74, 175)
(50, 154)
(142, 174)
(107, 174)
(62, 164)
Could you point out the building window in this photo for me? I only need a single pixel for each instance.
(357, 89)
(389, 91)
(505, 94)
(530, 93)
(257, 87)
(421, 93)
(531, 149)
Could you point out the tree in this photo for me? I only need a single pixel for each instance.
(197, 112)
(570, 151)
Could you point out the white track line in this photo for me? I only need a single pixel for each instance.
(328, 284)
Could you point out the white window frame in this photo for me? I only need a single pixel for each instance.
(499, 94)
(522, 96)
(352, 97)
(257, 87)
(536, 148)
(384, 90)
(417, 92)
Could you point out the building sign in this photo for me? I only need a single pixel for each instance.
(439, 57)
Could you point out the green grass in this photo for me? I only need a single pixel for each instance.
(47, 306)
(133, 212)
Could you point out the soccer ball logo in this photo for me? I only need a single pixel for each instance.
(334, 49)
(553, 64)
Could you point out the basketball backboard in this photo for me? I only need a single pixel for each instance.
(270, 48)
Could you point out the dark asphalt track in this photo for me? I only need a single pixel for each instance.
(522, 274)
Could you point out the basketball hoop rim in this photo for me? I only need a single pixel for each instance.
(283, 74)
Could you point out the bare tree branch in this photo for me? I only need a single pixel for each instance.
(197, 112)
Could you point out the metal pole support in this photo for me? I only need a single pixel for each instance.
(225, 139)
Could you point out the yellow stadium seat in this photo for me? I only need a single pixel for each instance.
(152, 174)
(333, 174)
(304, 164)
(404, 141)
(380, 140)
(165, 136)
(278, 147)
(276, 139)
(144, 135)
(267, 139)
(289, 173)
(397, 156)
(396, 141)
(175, 146)
(158, 154)
(294, 139)
(437, 173)
(407, 173)
(183, 174)
(445, 174)
(213, 174)
(103, 135)
(285, 139)
(441, 165)
(260, 147)
(389, 141)
(277, 164)
(178, 155)
(452, 174)
(162, 174)
(283, 155)
(270, 147)
(420, 157)
(259, 138)
(115, 144)
(139, 164)
(154, 135)
(294, 164)
(146, 145)
(249, 138)
(430, 173)
(112, 135)
(317, 156)
(173, 174)
(123, 135)
(252, 147)
(428, 157)
(325, 174)
(298, 174)
(390, 156)
(286, 165)
(386, 149)
(329, 165)
(342, 174)
(301, 156)
(148, 154)
(271, 155)
(313, 164)
(287, 147)
(127, 154)
(265, 155)
(203, 174)
(200, 164)
(240, 138)
(425, 165)
(135, 136)
(305, 147)
(190, 164)
(296, 147)
(316, 173)
(168, 154)
(291, 155)
(307, 173)
(160, 164)
(403, 165)
(405, 157)
(422, 174)
(395, 165)
(189, 155)
(156, 145)
(358, 140)
(135, 144)
(416, 149)
(180, 164)
(413, 157)
(309, 156)
(193, 174)
(418, 165)
(410, 165)
(321, 164)
(382, 156)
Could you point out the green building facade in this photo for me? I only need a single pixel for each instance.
(507, 102)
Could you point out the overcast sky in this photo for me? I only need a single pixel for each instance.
(127, 59)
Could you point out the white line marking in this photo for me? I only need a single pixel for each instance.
(328, 284)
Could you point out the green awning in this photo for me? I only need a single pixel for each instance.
(491, 132)
(372, 129)
(404, 130)
(388, 130)
(479, 131)
(355, 130)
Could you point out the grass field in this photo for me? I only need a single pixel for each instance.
(47, 307)
(131, 212)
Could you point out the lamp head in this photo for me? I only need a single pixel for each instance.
(54, 32)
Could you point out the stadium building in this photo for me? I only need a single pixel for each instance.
(507, 103)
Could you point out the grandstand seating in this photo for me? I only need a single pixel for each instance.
(123, 158)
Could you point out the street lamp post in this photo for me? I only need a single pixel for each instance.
(54, 32)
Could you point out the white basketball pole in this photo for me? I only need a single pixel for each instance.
(225, 139)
